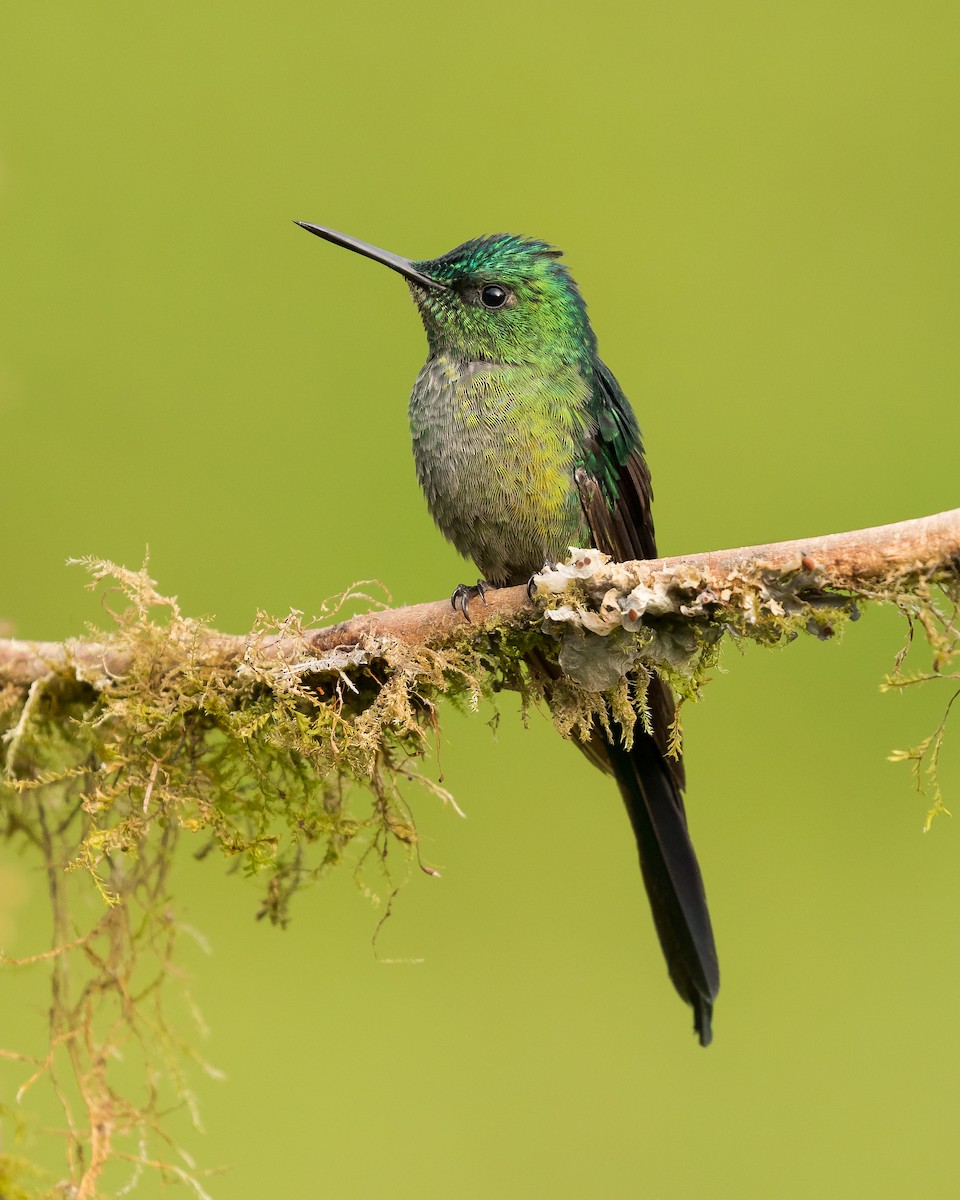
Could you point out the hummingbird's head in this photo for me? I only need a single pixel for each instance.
(505, 299)
(498, 299)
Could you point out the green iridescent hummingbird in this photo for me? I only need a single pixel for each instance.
(525, 445)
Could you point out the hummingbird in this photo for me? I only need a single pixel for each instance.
(525, 445)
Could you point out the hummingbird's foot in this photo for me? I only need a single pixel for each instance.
(548, 565)
(465, 593)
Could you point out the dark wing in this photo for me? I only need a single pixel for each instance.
(617, 494)
(615, 491)
(614, 479)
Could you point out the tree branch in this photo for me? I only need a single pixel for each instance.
(291, 750)
(882, 559)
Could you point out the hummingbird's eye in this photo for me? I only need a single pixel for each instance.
(493, 296)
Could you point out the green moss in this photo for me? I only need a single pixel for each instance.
(19, 1179)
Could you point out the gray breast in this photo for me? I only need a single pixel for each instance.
(481, 476)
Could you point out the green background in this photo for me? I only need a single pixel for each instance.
(760, 202)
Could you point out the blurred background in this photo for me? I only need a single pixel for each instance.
(760, 204)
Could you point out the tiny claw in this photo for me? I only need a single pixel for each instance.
(548, 565)
(466, 592)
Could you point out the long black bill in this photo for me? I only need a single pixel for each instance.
(394, 261)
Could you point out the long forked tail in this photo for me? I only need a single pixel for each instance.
(671, 873)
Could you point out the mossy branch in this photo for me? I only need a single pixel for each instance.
(115, 748)
(869, 563)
